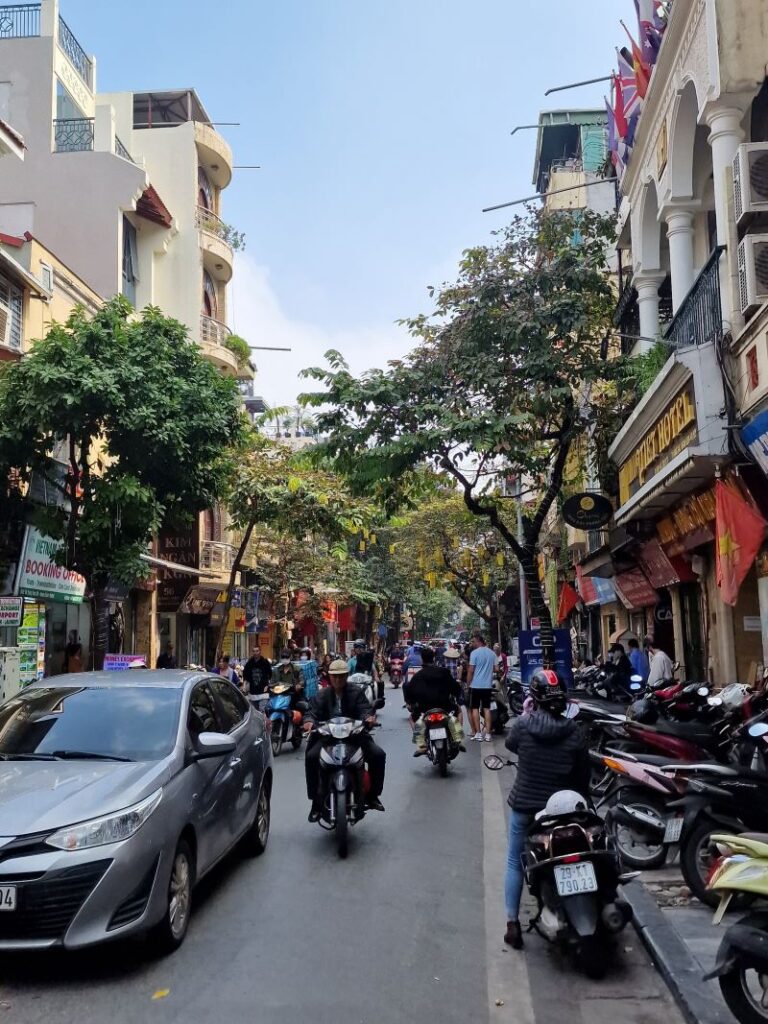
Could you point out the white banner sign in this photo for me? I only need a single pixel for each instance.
(39, 575)
(10, 611)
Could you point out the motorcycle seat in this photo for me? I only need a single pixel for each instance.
(755, 837)
(657, 760)
(692, 731)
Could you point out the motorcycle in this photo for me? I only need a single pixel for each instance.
(441, 743)
(365, 680)
(741, 967)
(573, 870)
(516, 693)
(344, 780)
(284, 717)
(499, 711)
(396, 672)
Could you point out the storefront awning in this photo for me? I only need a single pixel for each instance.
(634, 590)
(687, 472)
(593, 590)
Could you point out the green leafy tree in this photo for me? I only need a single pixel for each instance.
(141, 422)
(500, 382)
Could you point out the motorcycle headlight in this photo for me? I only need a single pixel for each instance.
(111, 828)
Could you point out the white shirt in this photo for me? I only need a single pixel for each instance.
(661, 668)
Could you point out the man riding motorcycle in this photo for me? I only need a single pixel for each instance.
(552, 756)
(341, 700)
(431, 687)
(363, 660)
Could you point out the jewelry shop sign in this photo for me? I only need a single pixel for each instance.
(672, 432)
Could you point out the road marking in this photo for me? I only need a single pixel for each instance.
(508, 981)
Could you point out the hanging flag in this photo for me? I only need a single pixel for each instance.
(739, 533)
(619, 108)
(568, 601)
(641, 69)
(629, 138)
(627, 83)
(650, 34)
(612, 136)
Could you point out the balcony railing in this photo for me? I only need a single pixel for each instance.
(217, 556)
(73, 134)
(699, 320)
(20, 21)
(69, 44)
(213, 332)
(120, 150)
(207, 220)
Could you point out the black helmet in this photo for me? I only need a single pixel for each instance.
(643, 711)
(548, 690)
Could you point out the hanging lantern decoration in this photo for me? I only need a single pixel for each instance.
(361, 547)
(500, 560)
(373, 539)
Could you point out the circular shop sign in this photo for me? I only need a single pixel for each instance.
(587, 511)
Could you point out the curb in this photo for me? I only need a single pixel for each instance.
(682, 974)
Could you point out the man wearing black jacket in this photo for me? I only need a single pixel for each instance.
(342, 700)
(431, 687)
(257, 673)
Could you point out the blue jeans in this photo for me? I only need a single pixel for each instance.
(519, 824)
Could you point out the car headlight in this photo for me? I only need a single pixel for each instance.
(112, 828)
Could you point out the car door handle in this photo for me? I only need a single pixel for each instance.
(235, 762)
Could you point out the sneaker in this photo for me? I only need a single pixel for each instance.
(478, 736)
(374, 804)
(315, 815)
(514, 935)
(420, 752)
(487, 738)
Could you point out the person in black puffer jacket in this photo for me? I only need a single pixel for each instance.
(552, 755)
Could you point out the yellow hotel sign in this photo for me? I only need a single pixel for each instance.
(673, 431)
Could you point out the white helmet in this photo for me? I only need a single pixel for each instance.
(565, 802)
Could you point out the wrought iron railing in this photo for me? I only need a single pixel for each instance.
(217, 556)
(120, 150)
(80, 60)
(20, 21)
(699, 319)
(73, 134)
(209, 221)
(213, 332)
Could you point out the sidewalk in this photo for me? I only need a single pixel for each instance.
(678, 932)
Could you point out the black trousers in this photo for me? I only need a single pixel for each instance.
(373, 754)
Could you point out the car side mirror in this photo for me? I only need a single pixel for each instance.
(213, 744)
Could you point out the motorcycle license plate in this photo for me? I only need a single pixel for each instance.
(674, 830)
(494, 705)
(572, 879)
(438, 734)
(7, 897)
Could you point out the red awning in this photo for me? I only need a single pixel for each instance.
(151, 207)
(634, 590)
(661, 570)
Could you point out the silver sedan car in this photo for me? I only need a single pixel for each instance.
(118, 792)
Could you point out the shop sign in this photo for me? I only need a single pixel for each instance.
(531, 656)
(252, 611)
(181, 545)
(39, 576)
(200, 600)
(634, 590)
(671, 433)
(10, 611)
(755, 437)
(123, 662)
(661, 570)
(587, 511)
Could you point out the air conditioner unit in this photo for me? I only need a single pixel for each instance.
(753, 272)
(5, 324)
(750, 180)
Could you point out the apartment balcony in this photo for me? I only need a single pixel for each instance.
(213, 336)
(215, 154)
(73, 135)
(218, 257)
(699, 320)
(24, 21)
(217, 557)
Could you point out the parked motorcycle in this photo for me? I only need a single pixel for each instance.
(499, 710)
(285, 717)
(572, 869)
(741, 968)
(344, 780)
(516, 693)
(441, 738)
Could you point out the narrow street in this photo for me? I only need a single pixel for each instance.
(409, 927)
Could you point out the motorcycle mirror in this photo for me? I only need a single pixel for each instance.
(715, 702)
(494, 762)
(758, 729)
(703, 691)
(572, 710)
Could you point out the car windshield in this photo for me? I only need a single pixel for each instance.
(122, 723)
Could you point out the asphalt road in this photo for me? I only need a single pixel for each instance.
(408, 928)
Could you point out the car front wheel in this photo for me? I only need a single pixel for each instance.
(256, 838)
(169, 934)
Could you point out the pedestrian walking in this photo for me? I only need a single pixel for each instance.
(324, 675)
(73, 654)
(257, 673)
(226, 670)
(661, 668)
(482, 664)
(309, 668)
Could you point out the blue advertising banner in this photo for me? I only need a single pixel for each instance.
(531, 656)
(755, 437)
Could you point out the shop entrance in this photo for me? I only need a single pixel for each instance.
(663, 625)
(690, 602)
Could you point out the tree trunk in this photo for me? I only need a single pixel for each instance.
(99, 623)
(231, 588)
(396, 624)
(539, 607)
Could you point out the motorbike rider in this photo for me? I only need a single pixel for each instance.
(619, 670)
(363, 660)
(552, 755)
(431, 687)
(341, 700)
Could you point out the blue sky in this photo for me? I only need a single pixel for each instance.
(382, 129)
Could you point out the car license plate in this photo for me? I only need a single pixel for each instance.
(438, 734)
(7, 897)
(674, 830)
(572, 879)
(494, 705)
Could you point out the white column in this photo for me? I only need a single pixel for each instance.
(725, 136)
(49, 18)
(680, 235)
(647, 286)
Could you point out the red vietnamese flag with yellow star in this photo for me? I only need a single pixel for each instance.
(739, 533)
